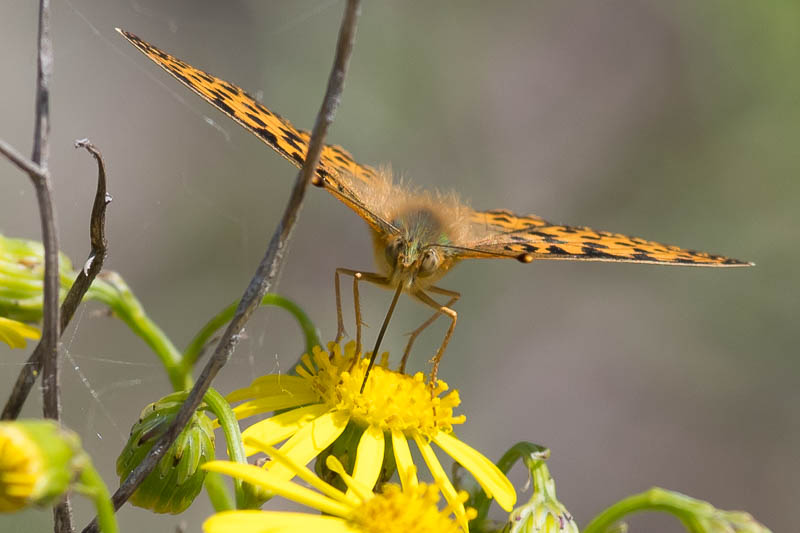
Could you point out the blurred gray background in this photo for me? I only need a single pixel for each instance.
(675, 121)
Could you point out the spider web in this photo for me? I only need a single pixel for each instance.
(108, 374)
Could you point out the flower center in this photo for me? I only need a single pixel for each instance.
(398, 511)
(390, 401)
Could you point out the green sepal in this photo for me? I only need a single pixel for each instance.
(21, 278)
(543, 512)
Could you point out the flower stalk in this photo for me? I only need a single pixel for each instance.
(696, 515)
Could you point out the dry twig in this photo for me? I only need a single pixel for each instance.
(92, 267)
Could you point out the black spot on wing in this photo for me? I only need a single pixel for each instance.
(181, 77)
(230, 90)
(267, 135)
(223, 106)
(546, 237)
(200, 75)
(255, 119)
(595, 245)
(593, 253)
(293, 139)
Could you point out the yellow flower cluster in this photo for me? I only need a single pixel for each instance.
(325, 397)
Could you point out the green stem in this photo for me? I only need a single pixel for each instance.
(233, 437)
(655, 499)
(115, 293)
(530, 453)
(93, 486)
(195, 347)
(217, 492)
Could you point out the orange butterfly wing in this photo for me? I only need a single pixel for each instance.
(504, 234)
(530, 237)
(274, 130)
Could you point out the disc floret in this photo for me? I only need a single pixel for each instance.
(391, 401)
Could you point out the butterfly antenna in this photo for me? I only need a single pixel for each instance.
(381, 332)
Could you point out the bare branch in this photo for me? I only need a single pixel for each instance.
(44, 194)
(92, 266)
(62, 513)
(24, 164)
(267, 269)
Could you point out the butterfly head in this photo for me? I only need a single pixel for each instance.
(409, 259)
(414, 255)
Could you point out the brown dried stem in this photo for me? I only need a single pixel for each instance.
(51, 391)
(92, 267)
(267, 269)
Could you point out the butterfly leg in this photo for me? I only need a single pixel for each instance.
(444, 310)
(454, 296)
(357, 276)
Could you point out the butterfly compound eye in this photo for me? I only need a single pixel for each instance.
(430, 262)
(393, 250)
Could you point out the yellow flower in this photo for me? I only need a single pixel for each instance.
(38, 460)
(412, 508)
(14, 333)
(326, 395)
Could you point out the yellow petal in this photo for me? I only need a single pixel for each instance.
(12, 338)
(402, 457)
(291, 491)
(309, 441)
(303, 472)
(268, 404)
(439, 475)
(14, 333)
(494, 483)
(369, 459)
(270, 385)
(361, 492)
(273, 521)
(281, 427)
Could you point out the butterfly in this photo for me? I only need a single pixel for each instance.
(418, 235)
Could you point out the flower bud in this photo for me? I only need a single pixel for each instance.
(38, 460)
(543, 512)
(732, 522)
(177, 479)
(709, 518)
(21, 278)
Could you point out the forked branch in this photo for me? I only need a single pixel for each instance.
(92, 267)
